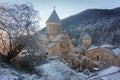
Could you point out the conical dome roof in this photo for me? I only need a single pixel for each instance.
(54, 17)
(86, 36)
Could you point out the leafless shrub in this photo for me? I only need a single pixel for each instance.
(17, 23)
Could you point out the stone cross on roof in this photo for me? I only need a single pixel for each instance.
(54, 7)
(54, 17)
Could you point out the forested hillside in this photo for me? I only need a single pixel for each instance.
(103, 25)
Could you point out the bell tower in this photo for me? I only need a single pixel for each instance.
(53, 27)
(87, 40)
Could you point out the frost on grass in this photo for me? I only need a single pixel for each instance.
(56, 70)
(8, 74)
(11, 74)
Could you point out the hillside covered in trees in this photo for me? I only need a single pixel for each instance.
(103, 25)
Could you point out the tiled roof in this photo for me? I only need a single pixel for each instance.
(44, 37)
(116, 51)
(57, 37)
(54, 41)
(53, 17)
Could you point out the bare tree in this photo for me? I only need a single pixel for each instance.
(17, 21)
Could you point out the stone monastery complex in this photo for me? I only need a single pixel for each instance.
(57, 43)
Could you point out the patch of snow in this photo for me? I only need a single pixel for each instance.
(107, 50)
(51, 44)
(93, 47)
(108, 72)
(53, 58)
(115, 76)
(104, 78)
(57, 37)
(96, 69)
(83, 76)
(56, 70)
(44, 37)
(86, 36)
(106, 45)
(116, 51)
(54, 41)
(10, 74)
(77, 49)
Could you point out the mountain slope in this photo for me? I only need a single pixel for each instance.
(103, 25)
(92, 16)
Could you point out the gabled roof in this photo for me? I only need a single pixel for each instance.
(57, 37)
(107, 50)
(79, 48)
(54, 41)
(116, 51)
(54, 17)
(106, 45)
(82, 46)
(44, 37)
(86, 36)
(92, 47)
(102, 48)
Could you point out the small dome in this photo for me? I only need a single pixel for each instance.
(86, 36)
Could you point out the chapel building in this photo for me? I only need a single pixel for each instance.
(56, 43)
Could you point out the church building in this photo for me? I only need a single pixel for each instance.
(54, 40)
(87, 40)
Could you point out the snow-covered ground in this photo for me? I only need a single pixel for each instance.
(54, 70)
(8, 73)
(110, 73)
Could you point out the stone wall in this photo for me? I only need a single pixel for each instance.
(58, 49)
(106, 59)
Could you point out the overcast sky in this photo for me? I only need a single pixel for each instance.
(65, 8)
